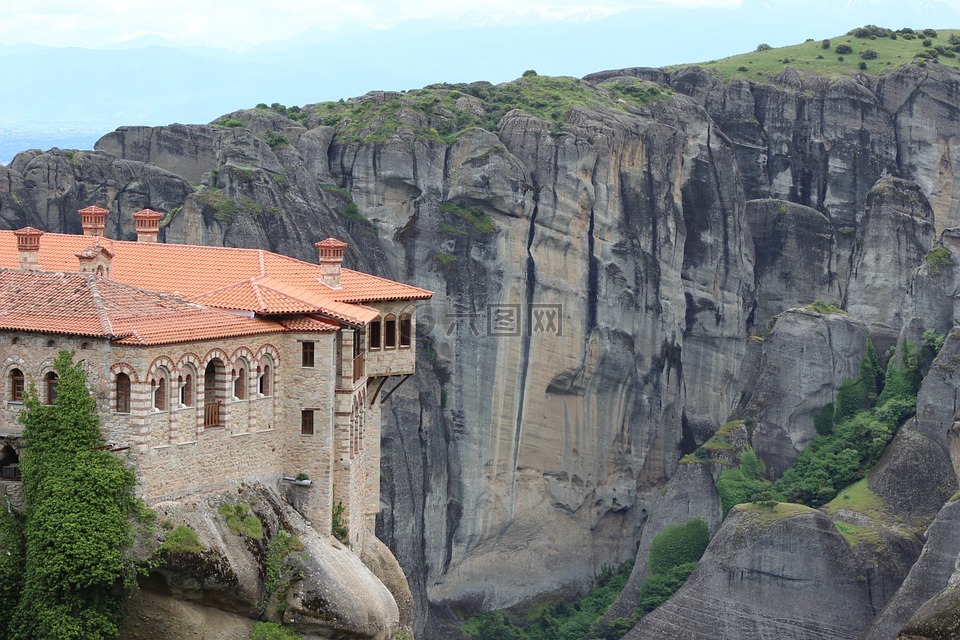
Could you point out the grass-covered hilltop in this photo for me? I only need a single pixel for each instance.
(868, 49)
(443, 111)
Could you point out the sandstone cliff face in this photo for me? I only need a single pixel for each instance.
(319, 588)
(637, 247)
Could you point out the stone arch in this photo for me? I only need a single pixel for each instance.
(164, 362)
(268, 350)
(9, 462)
(127, 368)
(11, 365)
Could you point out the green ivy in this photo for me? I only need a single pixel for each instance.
(272, 631)
(80, 506)
(337, 525)
(12, 562)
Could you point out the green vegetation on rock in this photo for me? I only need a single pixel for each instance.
(182, 539)
(241, 521)
(885, 49)
(79, 520)
(443, 112)
(272, 631)
(940, 258)
(562, 621)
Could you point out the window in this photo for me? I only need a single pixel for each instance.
(123, 393)
(390, 332)
(51, 343)
(265, 380)
(16, 385)
(186, 390)
(405, 330)
(307, 354)
(306, 422)
(50, 383)
(375, 328)
(160, 395)
(240, 384)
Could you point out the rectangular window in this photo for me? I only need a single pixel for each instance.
(375, 327)
(307, 355)
(390, 333)
(405, 329)
(306, 422)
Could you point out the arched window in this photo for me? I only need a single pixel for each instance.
(376, 329)
(266, 386)
(160, 394)
(186, 390)
(406, 328)
(16, 385)
(123, 393)
(240, 384)
(390, 332)
(50, 382)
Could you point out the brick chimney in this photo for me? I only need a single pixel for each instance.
(148, 224)
(28, 246)
(331, 257)
(92, 220)
(96, 259)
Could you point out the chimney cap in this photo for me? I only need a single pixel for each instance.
(331, 243)
(28, 232)
(147, 214)
(94, 210)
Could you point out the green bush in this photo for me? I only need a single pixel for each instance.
(678, 544)
(823, 420)
(825, 44)
(182, 539)
(12, 562)
(658, 588)
(940, 258)
(337, 524)
(241, 521)
(272, 631)
(844, 49)
(230, 122)
(763, 46)
(734, 488)
(926, 42)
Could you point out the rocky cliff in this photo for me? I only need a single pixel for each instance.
(609, 256)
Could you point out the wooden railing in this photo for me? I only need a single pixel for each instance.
(211, 414)
(359, 365)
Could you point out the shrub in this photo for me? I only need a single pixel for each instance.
(839, 58)
(823, 420)
(868, 54)
(230, 122)
(843, 49)
(862, 66)
(763, 46)
(272, 631)
(677, 545)
(933, 340)
(337, 525)
(930, 33)
(275, 139)
(940, 258)
(182, 539)
(926, 42)
(529, 73)
(241, 521)
(741, 68)
(736, 488)
(825, 44)
(658, 588)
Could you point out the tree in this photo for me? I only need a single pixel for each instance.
(80, 510)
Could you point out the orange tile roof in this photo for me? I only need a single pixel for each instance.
(308, 323)
(87, 305)
(192, 271)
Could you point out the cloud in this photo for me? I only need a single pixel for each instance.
(239, 24)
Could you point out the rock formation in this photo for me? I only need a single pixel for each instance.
(601, 265)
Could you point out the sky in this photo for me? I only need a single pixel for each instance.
(240, 24)
(217, 56)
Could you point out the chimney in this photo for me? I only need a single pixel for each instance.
(96, 259)
(92, 220)
(148, 224)
(28, 246)
(331, 257)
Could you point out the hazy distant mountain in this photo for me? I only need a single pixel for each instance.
(154, 81)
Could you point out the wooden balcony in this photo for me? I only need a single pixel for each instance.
(211, 414)
(359, 367)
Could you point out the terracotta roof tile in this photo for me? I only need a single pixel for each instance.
(190, 271)
(308, 323)
(86, 305)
